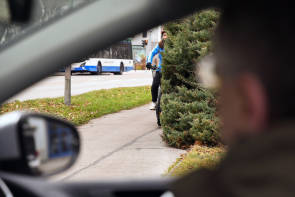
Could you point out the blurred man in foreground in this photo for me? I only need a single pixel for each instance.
(254, 50)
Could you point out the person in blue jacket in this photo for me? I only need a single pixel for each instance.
(157, 77)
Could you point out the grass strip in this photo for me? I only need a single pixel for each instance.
(86, 106)
(198, 157)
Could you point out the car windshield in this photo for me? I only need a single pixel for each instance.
(113, 96)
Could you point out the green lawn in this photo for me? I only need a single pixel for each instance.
(86, 106)
(197, 157)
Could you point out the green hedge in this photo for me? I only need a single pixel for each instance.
(188, 110)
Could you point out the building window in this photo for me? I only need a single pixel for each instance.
(144, 34)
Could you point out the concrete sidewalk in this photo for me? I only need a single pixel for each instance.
(127, 144)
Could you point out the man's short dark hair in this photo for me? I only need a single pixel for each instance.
(259, 37)
(162, 33)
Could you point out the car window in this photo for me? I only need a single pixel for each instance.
(115, 146)
(121, 132)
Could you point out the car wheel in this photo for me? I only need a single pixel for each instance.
(121, 69)
(158, 107)
(98, 68)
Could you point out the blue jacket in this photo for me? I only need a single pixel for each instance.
(153, 53)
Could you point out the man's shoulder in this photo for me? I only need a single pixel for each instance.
(202, 182)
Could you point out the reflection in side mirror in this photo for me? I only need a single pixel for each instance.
(47, 145)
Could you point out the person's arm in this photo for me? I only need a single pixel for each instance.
(154, 52)
(201, 183)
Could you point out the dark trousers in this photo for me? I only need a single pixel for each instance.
(155, 85)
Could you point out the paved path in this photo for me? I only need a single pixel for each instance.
(54, 86)
(127, 144)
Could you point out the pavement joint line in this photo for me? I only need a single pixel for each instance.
(108, 155)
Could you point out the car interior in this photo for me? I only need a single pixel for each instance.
(66, 39)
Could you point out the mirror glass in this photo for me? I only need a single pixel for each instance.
(50, 146)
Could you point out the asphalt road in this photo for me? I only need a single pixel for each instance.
(124, 145)
(54, 86)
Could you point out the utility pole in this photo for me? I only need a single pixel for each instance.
(67, 97)
(68, 73)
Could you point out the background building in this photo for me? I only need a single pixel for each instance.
(140, 50)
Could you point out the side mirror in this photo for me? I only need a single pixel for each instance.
(15, 11)
(36, 144)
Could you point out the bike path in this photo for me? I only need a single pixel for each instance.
(123, 145)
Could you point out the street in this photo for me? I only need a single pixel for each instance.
(127, 144)
(53, 86)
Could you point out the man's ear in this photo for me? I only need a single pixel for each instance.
(254, 102)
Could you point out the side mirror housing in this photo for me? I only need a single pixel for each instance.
(36, 144)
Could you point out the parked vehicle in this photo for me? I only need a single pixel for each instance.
(115, 59)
